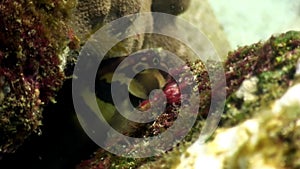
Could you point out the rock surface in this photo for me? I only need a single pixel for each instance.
(260, 132)
(269, 140)
(90, 16)
(35, 42)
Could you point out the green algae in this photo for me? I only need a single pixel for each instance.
(272, 62)
(275, 75)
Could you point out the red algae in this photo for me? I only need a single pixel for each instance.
(32, 42)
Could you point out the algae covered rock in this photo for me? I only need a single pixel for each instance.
(253, 132)
(269, 140)
(250, 128)
(34, 45)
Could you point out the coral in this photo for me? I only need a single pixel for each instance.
(173, 7)
(33, 44)
(271, 62)
(89, 16)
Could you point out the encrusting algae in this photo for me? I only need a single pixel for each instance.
(272, 78)
(34, 42)
(270, 68)
(268, 140)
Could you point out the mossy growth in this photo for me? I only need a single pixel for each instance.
(103, 159)
(274, 67)
(33, 40)
(272, 62)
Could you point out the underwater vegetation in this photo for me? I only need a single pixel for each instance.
(39, 38)
(256, 76)
(268, 140)
(34, 44)
(250, 95)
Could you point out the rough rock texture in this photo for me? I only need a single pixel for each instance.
(34, 45)
(274, 121)
(173, 7)
(244, 63)
(36, 41)
(90, 16)
(269, 140)
(253, 87)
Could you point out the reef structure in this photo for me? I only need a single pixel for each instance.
(35, 42)
(260, 111)
(253, 86)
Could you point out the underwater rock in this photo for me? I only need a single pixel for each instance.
(92, 15)
(35, 43)
(36, 47)
(250, 129)
(269, 140)
(200, 15)
(272, 62)
(89, 16)
(173, 7)
(247, 89)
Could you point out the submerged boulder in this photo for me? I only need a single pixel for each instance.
(35, 43)
(260, 124)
